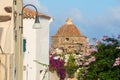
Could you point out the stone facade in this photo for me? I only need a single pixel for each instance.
(69, 38)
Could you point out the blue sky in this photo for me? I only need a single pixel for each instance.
(94, 18)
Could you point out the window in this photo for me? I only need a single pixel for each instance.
(67, 39)
(24, 45)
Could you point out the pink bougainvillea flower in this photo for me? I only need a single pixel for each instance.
(86, 63)
(80, 63)
(104, 38)
(86, 54)
(110, 42)
(93, 50)
(57, 64)
(117, 62)
(118, 36)
(91, 59)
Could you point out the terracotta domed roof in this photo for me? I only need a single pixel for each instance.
(68, 29)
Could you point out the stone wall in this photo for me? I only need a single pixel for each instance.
(70, 43)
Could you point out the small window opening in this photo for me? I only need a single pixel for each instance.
(67, 39)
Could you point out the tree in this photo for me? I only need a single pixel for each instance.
(104, 67)
(71, 66)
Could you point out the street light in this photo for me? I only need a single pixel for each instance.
(36, 25)
(19, 36)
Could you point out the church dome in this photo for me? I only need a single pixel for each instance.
(68, 30)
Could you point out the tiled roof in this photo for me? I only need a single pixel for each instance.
(28, 13)
(68, 29)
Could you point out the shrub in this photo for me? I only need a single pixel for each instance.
(71, 66)
(58, 66)
(104, 67)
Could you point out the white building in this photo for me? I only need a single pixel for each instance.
(37, 45)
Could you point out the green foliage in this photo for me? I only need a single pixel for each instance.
(71, 66)
(103, 68)
(81, 73)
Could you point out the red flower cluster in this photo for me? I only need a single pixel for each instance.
(58, 66)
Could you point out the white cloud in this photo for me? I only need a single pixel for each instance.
(34, 2)
(115, 13)
(107, 24)
(75, 14)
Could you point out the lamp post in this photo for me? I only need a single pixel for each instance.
(18, 22)
(36, 25)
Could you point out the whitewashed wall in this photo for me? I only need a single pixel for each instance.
(37, 48)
